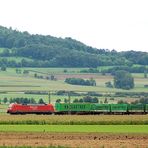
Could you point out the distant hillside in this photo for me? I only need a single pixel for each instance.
(48, 51)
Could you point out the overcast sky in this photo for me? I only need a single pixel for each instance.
(109, 24)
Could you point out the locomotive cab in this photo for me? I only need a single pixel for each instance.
(10, 107)
(15, 108)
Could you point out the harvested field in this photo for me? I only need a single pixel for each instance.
(81, 140)
(83, 76)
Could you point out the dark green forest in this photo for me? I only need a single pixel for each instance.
(49, 51)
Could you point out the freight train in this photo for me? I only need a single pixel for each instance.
(77, 108)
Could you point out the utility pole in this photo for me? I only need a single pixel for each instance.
(49, 100)
(69, 101)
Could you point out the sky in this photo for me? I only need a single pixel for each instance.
(105, 24)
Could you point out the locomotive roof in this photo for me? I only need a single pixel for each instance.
(28, 104)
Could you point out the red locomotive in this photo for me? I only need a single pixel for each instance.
(30, 108)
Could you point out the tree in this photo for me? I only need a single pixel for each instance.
(5, 100)
(58, 100)
(65, 71)
(25, 72)
(66, 100)
(105, 101)
(3, 68)
(80, 81)
(92, 82)
(32, 101)
(95, 100)
(145, 74)
(123, 80)
(81, 100)
(41, 101)
(75, 101)
(109, 84)
(52, 77)
(18, 71)
(122, 102)
(35, 75)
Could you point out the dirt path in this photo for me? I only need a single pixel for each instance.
(81, 140)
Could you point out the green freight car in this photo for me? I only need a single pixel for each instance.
(146, 108)
(136, 108)
(73, 107)
(119, 108)
(95, 108)
(101, 108)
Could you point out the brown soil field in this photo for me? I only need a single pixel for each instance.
(84, 76)
(74, 140)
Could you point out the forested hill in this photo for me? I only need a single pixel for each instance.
(47, 51)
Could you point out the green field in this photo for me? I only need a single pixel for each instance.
(12, 82)
(14, 85)
(76, 128)
(17, 59)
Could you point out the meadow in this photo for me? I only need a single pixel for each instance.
(13, 84)
(76, 128)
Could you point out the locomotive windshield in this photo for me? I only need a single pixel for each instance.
(10, 106)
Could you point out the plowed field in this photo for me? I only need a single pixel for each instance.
(81, 140)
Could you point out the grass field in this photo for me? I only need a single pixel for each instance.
(76, 128)
(12, 82)
(17, 59)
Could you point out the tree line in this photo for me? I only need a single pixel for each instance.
(48, 51)
(80, 81)
(113, 69)
(22, 100)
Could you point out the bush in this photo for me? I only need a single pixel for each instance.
(90, 70)
(79, 81)
(109, 84)
(123, 80)
(3, 68)
(94, 94)
(23, 100)
(41, 101)
(87, 99)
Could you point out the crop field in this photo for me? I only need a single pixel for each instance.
(74, 119)
(73, 131)
(66, 131)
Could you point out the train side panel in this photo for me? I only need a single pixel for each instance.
(101, 108)
(33, 108)
(146, 108)
(136, 108)
(73, 107)
(119, 108)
